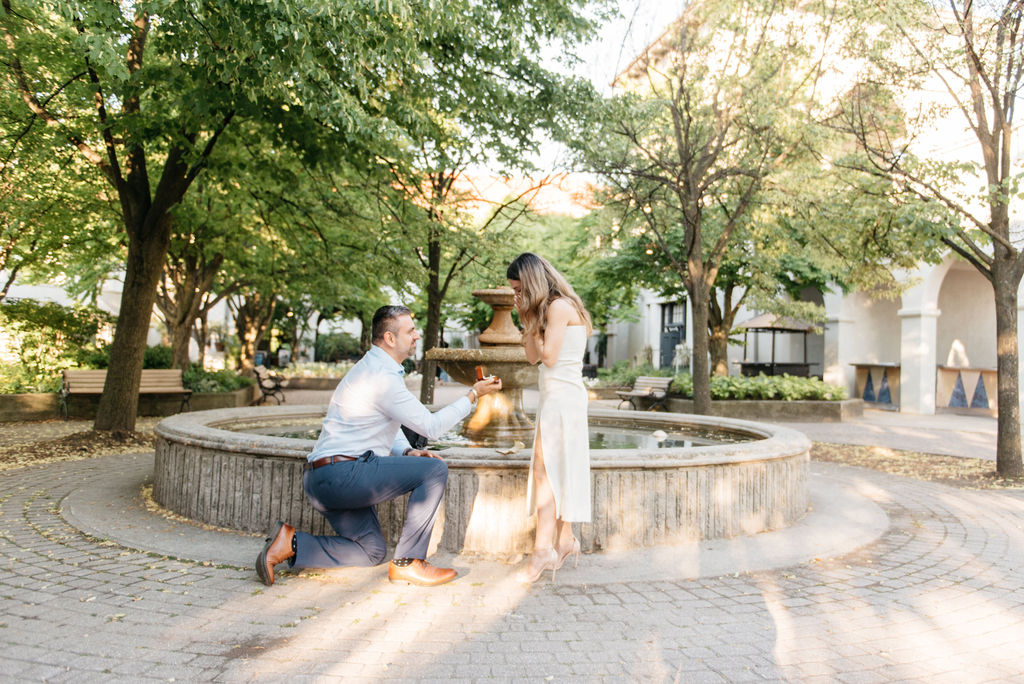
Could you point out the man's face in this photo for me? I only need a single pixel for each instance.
(406, 337)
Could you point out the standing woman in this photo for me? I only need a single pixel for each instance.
(556, 327)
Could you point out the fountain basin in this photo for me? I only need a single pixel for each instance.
(641, 497)
(508, 363)
(499, 418)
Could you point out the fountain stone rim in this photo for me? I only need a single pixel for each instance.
(205, 429)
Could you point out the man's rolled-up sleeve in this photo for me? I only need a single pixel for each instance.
(400, 445)
(407, 410)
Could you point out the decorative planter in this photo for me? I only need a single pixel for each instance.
(777, 410)
(16, 407)
(312, 383)
(204, 401)
(19, 407)
(604, 392)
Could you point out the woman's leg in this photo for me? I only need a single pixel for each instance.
(551, 532)
(544, 555)
(564, 539)
(544, 499)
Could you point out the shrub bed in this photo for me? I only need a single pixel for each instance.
(203, 381)
(317, 369)
(760, 387)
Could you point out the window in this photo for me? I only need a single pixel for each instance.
(673, 316)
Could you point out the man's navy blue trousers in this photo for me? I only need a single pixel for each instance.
(346, 493)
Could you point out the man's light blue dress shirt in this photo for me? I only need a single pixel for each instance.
(371, 404)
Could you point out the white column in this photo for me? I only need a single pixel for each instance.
(840, 334)
(917, 358)
(653, 337)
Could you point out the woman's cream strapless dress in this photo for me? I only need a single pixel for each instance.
(562, 426)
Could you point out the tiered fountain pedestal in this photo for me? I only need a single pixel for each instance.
(499, 419)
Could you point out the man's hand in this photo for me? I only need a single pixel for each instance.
(487, 385)
(424, 453)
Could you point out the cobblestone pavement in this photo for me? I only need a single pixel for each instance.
(939, 597)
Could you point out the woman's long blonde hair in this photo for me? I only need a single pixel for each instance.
(541, 285)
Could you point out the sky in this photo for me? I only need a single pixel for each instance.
(622, 38)
(618, 42)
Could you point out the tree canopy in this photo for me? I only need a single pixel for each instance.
(144, 93)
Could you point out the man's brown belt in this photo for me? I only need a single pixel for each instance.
(328, 460)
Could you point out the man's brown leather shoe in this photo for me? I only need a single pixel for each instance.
(420, 572)
(277, 549)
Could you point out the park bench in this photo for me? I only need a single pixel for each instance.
(270, 383)
(646, 387)
(153, 381)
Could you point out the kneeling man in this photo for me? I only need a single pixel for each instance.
(362, 459)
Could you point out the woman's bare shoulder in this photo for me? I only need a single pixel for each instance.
(561, 309)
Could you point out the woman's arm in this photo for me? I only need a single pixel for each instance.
(533, 346)
(559, 314)
(532, 343)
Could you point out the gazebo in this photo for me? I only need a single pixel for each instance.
(770, 323)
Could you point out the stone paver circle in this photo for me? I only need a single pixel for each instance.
(939, 597)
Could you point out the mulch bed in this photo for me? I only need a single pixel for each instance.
(956, 471)
(34, 443)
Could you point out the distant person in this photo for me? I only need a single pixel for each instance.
(556, 326)
(440, 372)
(362, 458)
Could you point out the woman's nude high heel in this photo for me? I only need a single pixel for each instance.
(549, 561)
(574, 551)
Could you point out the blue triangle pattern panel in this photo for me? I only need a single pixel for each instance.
(959, 397)
(980, 398)
(869, 389)
(884, 397)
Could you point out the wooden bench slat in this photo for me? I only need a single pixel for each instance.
(77, 381)
(152, 381)
(645, 386)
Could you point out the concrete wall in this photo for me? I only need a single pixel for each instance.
(876, 336)
(965, 334)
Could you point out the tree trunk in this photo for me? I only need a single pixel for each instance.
(718, 346)
(252, 316)
(699, 360)
(721, 319)
(119, 403)
(201, 334)
(316, 336)
(430, 335)
(1005, 281)
(188, 279)
(295, 331)
(366, 331)
(181, 338)
(700, 292)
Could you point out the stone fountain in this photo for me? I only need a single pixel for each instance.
(499, 419)
(221, 468)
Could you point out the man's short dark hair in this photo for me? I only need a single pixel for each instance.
(384, 320)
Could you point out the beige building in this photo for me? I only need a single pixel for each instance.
(931, 349)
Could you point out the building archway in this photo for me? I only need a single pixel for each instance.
(965, 341)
